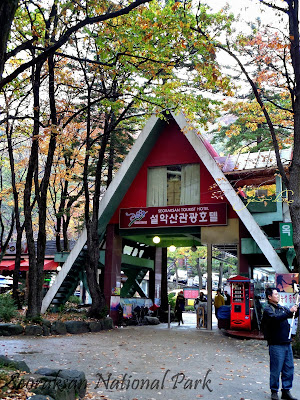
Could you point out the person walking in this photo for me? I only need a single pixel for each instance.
(179, 307)
(200, 306)
(202, 297)
(218, 302)
(276, 330)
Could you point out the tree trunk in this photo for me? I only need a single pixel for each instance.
(91, 218)
(294, 181)
(93, 241)
(34, 275)
(92, 261)
(111, 159)
(36, 257)
(66, 243)
(16, 273)
(60, 216)
(19, 228)
(7, 12)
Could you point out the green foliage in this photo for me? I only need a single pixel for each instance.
(184, 256)
(244, 129)
(34, 320)
(172, 300)
(151, 60)
(189, 308)
(74, 300)
(8, 309)
(103, 313)
(9, 367)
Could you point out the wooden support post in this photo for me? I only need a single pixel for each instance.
(164, 280)
(157, 275)
(209, 286)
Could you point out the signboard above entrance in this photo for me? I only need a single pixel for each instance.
(186, 215)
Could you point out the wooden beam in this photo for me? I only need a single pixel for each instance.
(209, 286)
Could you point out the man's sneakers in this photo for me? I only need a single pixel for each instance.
(287, 395)
(274, 395)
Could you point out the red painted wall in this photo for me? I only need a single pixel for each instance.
(171, 148)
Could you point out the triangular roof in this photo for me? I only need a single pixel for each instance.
(128, 170)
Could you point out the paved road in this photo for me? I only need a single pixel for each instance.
(180, 363)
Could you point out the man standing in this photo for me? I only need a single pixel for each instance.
(218, 302)
(227, 298)
(276, 330)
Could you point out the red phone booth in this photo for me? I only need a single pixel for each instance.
(242, 291)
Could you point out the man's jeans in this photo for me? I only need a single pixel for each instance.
(281, 361)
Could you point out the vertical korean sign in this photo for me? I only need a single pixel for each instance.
(286, 234)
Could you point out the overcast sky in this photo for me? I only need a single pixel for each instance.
(249, 10)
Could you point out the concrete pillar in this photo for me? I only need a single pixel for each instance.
(112, 270)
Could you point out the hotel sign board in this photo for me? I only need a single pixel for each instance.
(179, 216)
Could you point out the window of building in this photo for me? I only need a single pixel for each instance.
(173, 185)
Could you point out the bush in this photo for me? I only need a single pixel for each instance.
(8, 308)
(189, 308)
(104, 312)
(74, 300)
(172, 300)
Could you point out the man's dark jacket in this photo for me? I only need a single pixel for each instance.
(275, 325)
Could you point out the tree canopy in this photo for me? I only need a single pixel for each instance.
(79, 80)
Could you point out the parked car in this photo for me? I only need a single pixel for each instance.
(182, 276)
(196, 282)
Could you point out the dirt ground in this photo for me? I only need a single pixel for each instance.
(154, 362)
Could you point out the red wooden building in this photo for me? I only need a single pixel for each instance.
(174, 185)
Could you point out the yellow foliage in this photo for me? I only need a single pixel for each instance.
(252, 126)
(234, 130)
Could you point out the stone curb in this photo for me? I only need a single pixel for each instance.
(47, 383)
(56, 328)
(19, 365)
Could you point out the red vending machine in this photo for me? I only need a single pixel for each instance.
(241, 314)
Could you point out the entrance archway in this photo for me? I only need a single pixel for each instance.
(139, 243)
